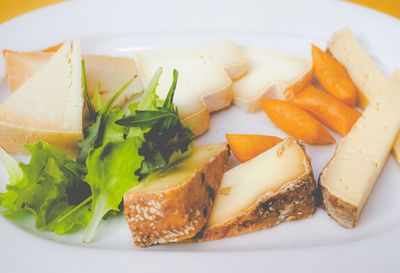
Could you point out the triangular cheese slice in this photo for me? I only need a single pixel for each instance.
(47, 106)
(203, 85)
(270, 75)
(110, 72)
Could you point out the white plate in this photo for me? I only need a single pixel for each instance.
(118, 28)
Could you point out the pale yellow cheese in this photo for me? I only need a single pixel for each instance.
(266, 173)
(363, 71)
(270, 75)
(360, 156)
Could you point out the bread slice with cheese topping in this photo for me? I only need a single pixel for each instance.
(276, 186)
(47, 106)
(348, 179)
(174, 205)
(270, 75)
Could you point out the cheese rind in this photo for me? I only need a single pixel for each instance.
(271, 75)
(369, 79)
(276, 186)
(47, 106)
(347, 180)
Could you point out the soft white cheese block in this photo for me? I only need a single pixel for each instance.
(203, 85)
(48, 105)
(266, 173)
(348, 178)
(363, 71)
(270, 75)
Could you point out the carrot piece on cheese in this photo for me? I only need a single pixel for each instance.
(245, 147)
(333, 77)
(296, 122)
(333, 113)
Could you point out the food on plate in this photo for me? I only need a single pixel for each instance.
(275, 186)
(348, 178)
(204, 86)
(333, 77)
(228, 56)
(245, 147)
(108, 72)
(333, 113)
(174, 205)
(47, 106)
(361, 68)
(270, 75)
(359, 65)
(296, 122)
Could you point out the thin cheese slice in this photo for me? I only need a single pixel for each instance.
(203, 85)
(48, 105)
(349, 177)
(271, 75)
(363, 71)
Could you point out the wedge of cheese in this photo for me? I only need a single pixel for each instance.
(203, 85)
(47, 106)
(370, 81)
(271, 75)
(174, 205)
(276, 186)
(228, 56)
(110, 72)
(347, 180)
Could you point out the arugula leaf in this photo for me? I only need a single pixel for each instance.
(111, 172)
(49, 187)
(94, 134)
(11, 165)
(164, 133)
(92, 113)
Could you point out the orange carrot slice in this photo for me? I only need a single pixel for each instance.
(296, 122)
(245, 147)
(53, 48)
(333, 113)
(333, 77)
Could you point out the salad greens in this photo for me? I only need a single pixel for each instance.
(117, 152)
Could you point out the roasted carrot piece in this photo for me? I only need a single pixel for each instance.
(245, 147)
(53, 48)
(333, 77)
(296, 122)
(333, 113)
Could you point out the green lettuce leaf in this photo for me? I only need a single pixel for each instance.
(50, 187)
(111, 172)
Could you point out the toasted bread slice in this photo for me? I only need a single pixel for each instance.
(109, 72)
(47, 106)
(174, 206)
(276, 186)
(369, 79)
(349, 177)
(270, 75)
(203, 85)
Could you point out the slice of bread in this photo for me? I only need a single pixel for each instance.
(203, 85)
(110, 72)
(369, 79)
(276, 186)
(175, 205)
(47, 106)
(270, 75)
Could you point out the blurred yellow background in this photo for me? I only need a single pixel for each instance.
(12, 8)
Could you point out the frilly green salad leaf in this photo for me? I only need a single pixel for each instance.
(117, 152)
(44, 190)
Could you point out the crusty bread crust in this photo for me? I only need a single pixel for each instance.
(176, 214)
(293, 201)
(13, 138)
